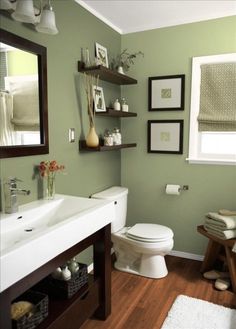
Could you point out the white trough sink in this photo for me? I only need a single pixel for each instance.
(43, 229)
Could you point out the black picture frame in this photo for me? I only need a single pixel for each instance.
(166, 93)
(165, 136)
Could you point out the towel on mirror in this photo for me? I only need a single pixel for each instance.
(219, 233)
(223, 222)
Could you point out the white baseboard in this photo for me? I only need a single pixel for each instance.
(175, 253)
(187, 255)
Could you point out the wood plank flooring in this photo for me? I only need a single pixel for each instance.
(142, 303)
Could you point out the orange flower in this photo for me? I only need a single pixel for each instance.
(42, 167)
(47, 168)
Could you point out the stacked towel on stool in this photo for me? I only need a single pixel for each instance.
(221, 226)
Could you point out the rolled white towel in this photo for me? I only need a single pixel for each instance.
(224, 222)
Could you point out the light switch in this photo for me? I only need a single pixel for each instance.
(71, 135)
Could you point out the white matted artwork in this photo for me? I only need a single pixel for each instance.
(166, 93)
(165, 136)
(98, 98)
(101, 55)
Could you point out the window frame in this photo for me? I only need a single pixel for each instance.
(193, 155)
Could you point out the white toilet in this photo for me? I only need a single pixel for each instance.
(139, 249)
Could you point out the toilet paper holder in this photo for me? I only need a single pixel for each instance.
(184, 188)
(181, 188)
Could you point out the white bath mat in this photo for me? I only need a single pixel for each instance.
(192, 313)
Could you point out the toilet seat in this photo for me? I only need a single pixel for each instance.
(149, 233)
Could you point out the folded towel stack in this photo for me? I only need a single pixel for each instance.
(223, 227)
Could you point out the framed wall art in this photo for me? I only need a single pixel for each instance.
(101, 55)
(165, 136)
(98, 98)
(166, 93)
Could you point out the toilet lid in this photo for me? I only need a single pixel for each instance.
(149, 232)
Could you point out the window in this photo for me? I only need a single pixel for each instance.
(212, 147)
(27, 137)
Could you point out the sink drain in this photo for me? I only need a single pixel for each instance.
(30, 229)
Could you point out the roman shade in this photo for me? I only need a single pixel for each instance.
(217, 97)
(25, 103)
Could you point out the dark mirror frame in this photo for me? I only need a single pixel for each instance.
(41, 52)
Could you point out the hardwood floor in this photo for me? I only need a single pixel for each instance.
(142, 303)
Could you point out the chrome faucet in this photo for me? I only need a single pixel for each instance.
(10, 193)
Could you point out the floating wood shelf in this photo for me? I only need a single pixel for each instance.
(101, 148)
(113, 113)
(107, 74)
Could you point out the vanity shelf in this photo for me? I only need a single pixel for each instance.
(101, 148)
(63, 313)
(92, 299)
(107, 74)
(116, 114)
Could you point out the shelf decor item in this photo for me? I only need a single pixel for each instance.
(92, 139)
(123, 61)
(165, 136)
(65, 289)
(48, 170)
(101, 55)
(98, 98)
(166, 93)
(39, 312)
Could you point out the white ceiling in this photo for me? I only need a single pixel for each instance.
(126, 16)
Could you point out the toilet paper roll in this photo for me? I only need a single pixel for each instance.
(173, 189)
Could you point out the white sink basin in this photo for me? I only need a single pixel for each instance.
(43, 229)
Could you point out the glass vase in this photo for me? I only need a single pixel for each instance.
(50, 187)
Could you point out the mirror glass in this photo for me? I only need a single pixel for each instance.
(23, 97)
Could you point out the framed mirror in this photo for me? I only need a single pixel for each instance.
(23, 97)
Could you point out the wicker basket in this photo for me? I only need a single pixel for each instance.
(66, 289)
(40, 310)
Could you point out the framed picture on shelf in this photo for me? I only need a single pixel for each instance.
(101, 55)
(165, 136)
(98, 98)
(166, 93)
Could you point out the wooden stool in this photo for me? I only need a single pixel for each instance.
(215, 245)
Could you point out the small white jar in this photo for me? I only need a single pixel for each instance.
(65, 273)
(56, 274)
(116, 137)
(108, 139)
(116, 105)
(124, 106)
(73, 266)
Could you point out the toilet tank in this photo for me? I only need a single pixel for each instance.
(119, 195)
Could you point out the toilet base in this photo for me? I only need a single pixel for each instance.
(141, 258)
(153, 266)
(150, 266)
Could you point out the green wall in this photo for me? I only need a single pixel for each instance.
(86, 173)
(169, 51)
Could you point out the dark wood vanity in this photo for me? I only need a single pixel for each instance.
(94, 299)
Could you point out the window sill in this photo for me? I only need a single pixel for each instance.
(212, 161)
